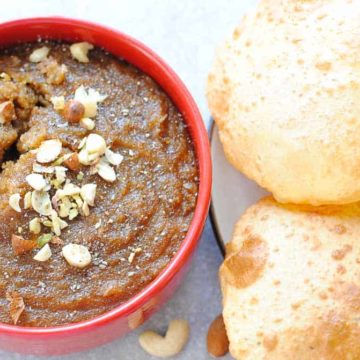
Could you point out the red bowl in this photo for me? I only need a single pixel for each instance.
(124, 318)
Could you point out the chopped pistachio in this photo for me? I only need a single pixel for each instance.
(43, 239)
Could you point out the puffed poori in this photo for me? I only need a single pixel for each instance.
(291, 283)
(284, 91)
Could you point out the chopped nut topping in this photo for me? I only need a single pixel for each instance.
(44, 254)
(80, 176)
(58, 102)
(7, 112)
(56, 226)
(87, 123)
(39, 55)
(40, 202)
(21, 246)
(88, 193)
(27, 200)
(43, 240)
(48, 151)
(76, 255)
(73, 213)
(35, 226)
(85, 209)
(17, 306)
(80, 51)
(14, 202)
(36, 181)
(89, 99)
(74, 111)
(37, 168)
(72, 162)
(60, 173)
(113, 158)
(68, 190)
(95, 144)
(105, 171)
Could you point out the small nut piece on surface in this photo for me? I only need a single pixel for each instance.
(174, 341)
(27, 200)
(74, 111)
(89, 98)
(48, 151)
(76, 255)
(44, 254)
(58, 102)
(113, 158)
(41, 203)
(39, 55)
(14, 202)
(88, 193)
(36, 181)
(87, 123)
(7, 112)
(20, 245)
(95, 144)
(35, 226)
(72, 162)
(105, 171)
(217, 340)
(80, 51)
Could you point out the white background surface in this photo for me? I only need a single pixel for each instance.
(185, 34)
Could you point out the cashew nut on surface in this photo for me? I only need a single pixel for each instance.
(169, 345)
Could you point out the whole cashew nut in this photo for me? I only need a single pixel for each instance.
(171, 344)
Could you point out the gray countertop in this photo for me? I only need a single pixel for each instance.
(185, 34)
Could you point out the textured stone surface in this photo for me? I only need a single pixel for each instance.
(184, 33)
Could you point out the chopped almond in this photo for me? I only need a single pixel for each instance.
(39, 55)
(17, 305)
(72, 162)
(21, 246)
(14, 202)
(80, 50)
(49, 151)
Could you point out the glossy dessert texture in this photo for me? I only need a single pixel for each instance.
(120, 173)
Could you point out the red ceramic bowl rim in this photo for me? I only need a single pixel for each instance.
(202, 149)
